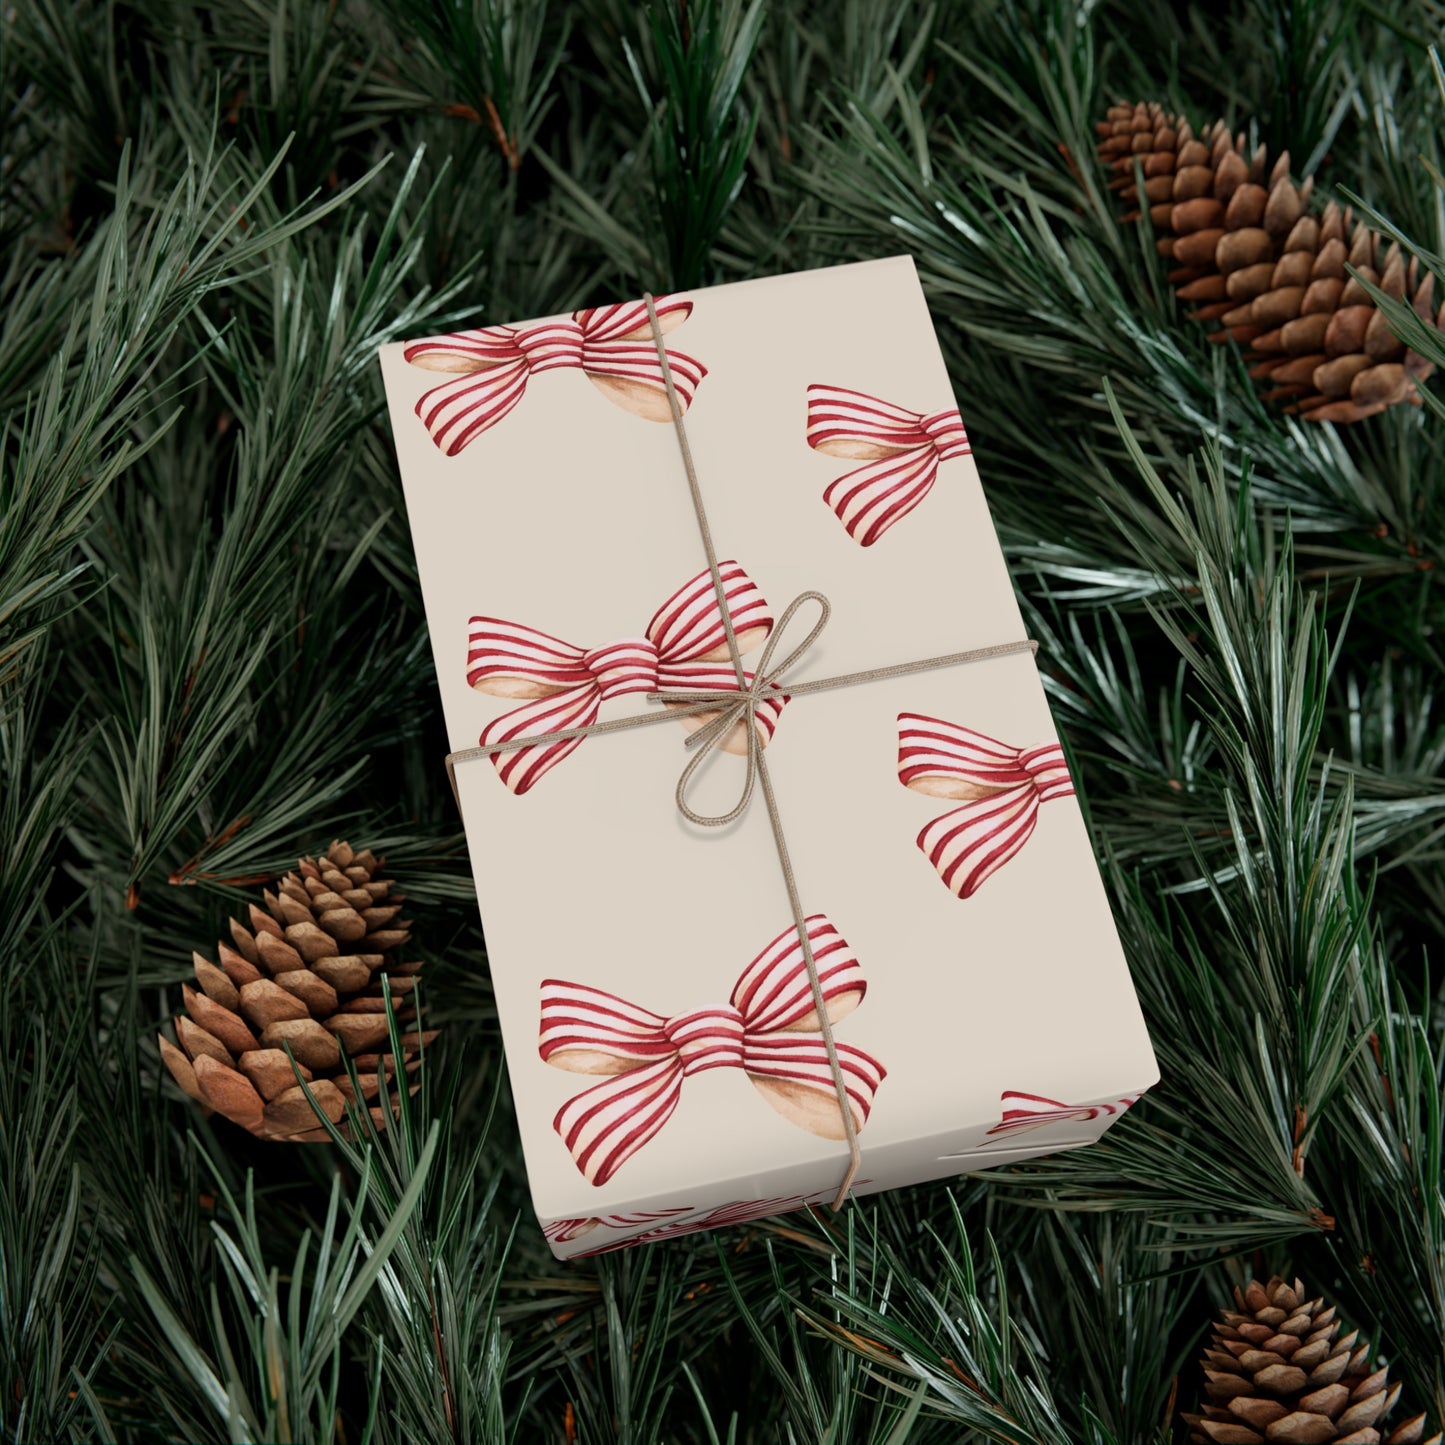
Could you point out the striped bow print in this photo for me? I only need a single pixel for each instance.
(1022, 1112)
(902, 449)
(742, 1211)
(768, 1029)
(684, 647)
(564, 1231)
(611, 345)
(1001, 788)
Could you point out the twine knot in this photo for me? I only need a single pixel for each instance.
(742, 708)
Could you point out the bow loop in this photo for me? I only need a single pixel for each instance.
(507, 659)
(1000, 786)
(774, 991)
(902, 450)
(627, 320)
(768, 1029)
(466, 352)
(688, 627)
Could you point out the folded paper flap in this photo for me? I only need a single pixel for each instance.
(650, 1227)
(1023, 1111)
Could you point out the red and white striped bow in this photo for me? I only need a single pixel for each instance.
(1022, 1112)
(612, 345)
(742, 1211)
(564, 1231)
(903, 449)
(1003, 787)
(685, 648)
(768, 1029)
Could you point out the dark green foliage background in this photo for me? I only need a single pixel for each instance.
(213, 658)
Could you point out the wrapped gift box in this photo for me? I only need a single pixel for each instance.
(663, 1045)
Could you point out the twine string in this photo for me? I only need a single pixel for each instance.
(758, 763)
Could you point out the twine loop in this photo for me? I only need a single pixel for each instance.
(742, 709)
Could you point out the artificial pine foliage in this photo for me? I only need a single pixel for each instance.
(212, 652)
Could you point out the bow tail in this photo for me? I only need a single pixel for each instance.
(604, 1126)
(522, 768)
(458, 410)
(792, 1073)
(870, 500)
(970, 844)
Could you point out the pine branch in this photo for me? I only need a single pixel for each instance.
(281, 1379)
(54, 1319)
(211, 643)
(981, 1371)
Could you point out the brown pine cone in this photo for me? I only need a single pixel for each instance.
(1271, 274)
(1276, 1369)
(307, 974)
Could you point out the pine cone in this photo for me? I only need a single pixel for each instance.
(1275, 1370)
(1269, 273)
(307, 974)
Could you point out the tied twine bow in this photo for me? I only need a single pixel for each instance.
(750, 694)
(683, 648)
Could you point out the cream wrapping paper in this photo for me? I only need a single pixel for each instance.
(990, 993)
